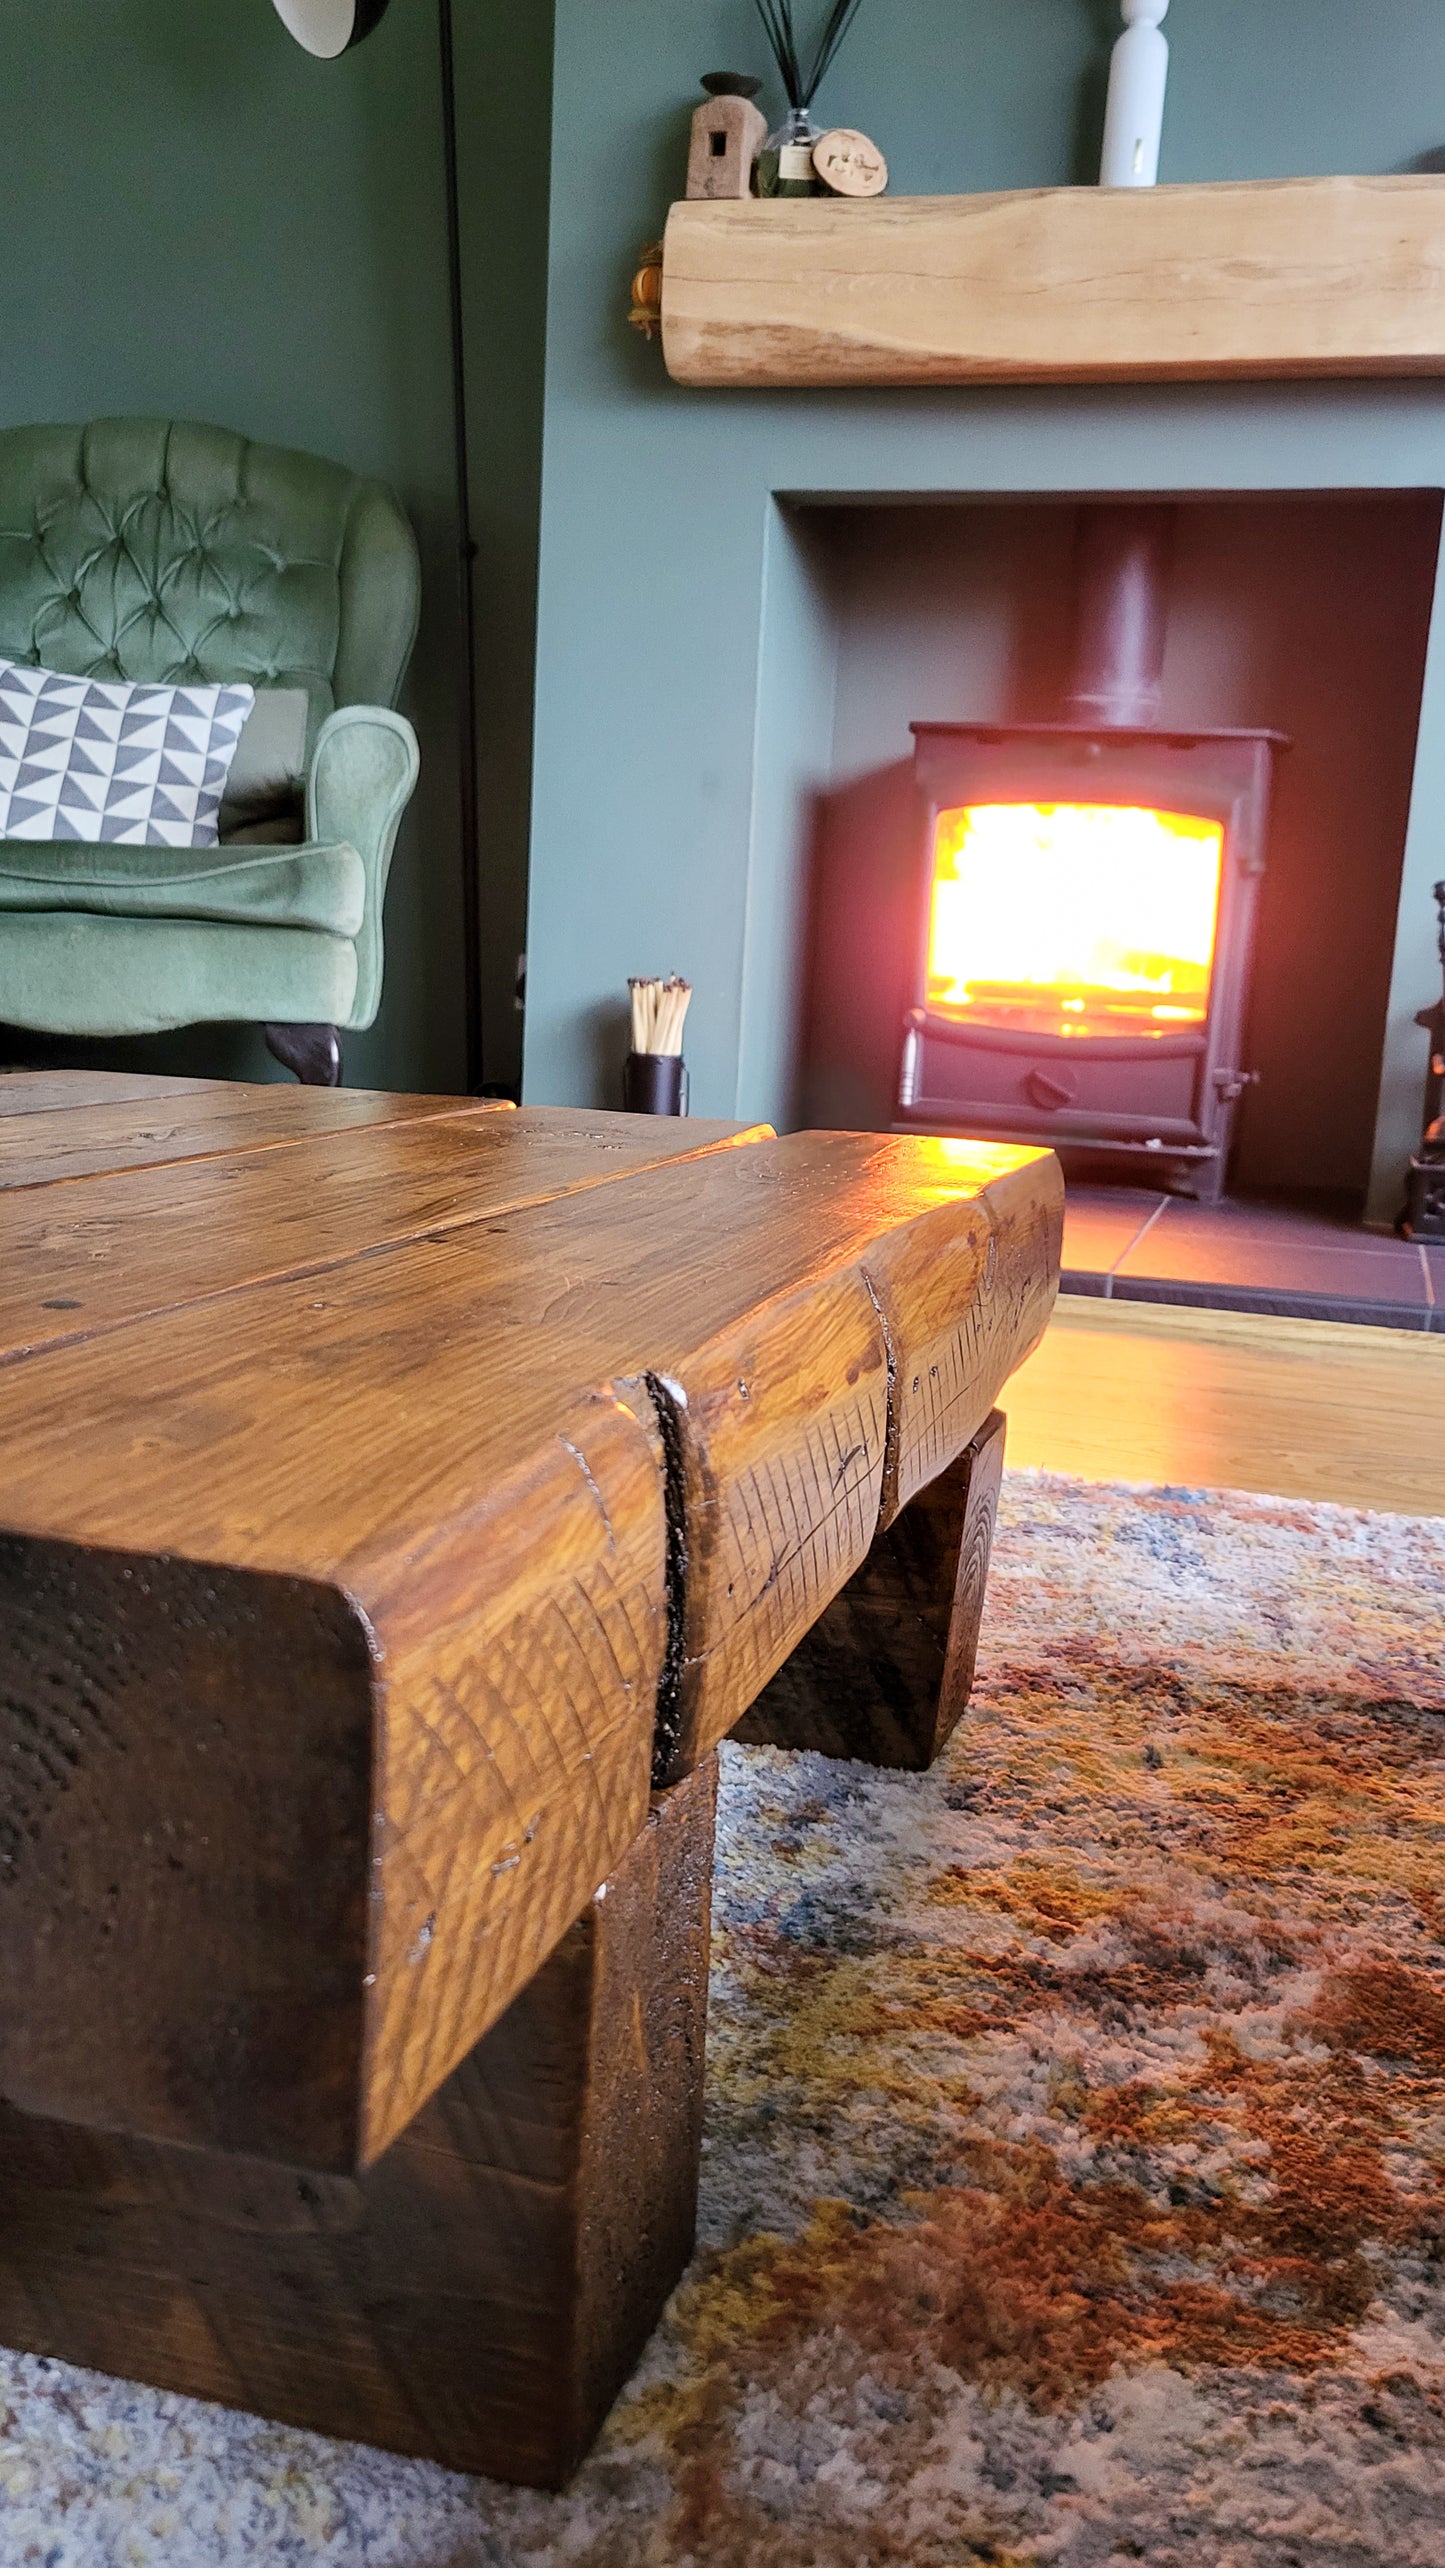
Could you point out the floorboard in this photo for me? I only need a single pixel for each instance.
(1291, 1408)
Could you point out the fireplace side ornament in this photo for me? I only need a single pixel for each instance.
(1425, 1211)
(1138, 78)
(646, 313)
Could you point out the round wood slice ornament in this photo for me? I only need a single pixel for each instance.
(849, 165)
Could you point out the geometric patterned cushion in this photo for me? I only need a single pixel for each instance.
(96, 760)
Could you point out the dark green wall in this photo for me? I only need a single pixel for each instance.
(674, 625)
(201, 221)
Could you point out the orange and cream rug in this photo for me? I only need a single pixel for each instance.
(1074, 2189)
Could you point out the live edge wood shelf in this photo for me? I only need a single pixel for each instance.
(1289, 278)
(401, 1500)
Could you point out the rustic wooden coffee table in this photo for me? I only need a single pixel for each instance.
(401, 1500)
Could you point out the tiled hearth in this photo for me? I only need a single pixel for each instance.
(1300, 1258)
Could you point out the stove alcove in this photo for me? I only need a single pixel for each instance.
(1291, 617)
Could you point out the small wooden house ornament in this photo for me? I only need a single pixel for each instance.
(728, 132)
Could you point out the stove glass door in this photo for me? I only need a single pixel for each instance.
(1073, 919)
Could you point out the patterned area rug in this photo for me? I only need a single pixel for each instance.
(1075, 2176)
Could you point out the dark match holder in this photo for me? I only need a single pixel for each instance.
(654, 1083)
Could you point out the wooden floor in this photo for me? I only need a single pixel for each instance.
(1291, 1408)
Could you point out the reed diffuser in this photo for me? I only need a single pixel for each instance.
(794, 141)
(654, 1081)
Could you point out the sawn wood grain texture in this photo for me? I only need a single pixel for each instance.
(478, 2297)
(886, 1671)
(1235, 281)
(535, 1445)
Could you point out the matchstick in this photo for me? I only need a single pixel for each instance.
(659, 1008)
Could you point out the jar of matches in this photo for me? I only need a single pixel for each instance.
(654, 1081)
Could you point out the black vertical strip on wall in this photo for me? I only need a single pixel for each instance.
(466, 570)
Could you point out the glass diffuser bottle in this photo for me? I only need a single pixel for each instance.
(786, 164)
(792, 147)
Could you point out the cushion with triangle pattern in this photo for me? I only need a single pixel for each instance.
(101, 761)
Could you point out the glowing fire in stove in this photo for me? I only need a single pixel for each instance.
(1074, 918)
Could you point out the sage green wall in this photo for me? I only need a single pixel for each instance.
(658, 503)
(199, 221)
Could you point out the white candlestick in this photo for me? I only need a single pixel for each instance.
(1138, 76)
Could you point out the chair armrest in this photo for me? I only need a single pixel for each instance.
(363, 775)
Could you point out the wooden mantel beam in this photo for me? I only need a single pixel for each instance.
(1288, 278)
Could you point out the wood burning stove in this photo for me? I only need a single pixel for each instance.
(1089, 929)
(1085, 942)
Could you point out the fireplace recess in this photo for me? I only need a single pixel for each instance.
(1086, 933)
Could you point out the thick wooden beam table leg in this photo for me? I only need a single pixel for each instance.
(481, 2294)
(886, 1672)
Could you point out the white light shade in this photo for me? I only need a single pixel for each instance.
(329, 27)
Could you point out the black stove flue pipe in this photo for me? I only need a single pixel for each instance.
(1121, 614)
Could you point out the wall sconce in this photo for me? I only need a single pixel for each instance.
(330, 27)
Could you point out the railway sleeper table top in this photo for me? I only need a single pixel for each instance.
(402, 1497)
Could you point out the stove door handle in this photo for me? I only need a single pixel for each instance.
(1230, 1085)
(1045, 1091)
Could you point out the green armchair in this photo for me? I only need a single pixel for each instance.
(155, 550)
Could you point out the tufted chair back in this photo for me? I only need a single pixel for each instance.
(153, 549)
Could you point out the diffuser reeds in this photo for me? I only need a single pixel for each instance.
(780, 25)
(658, 1010)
